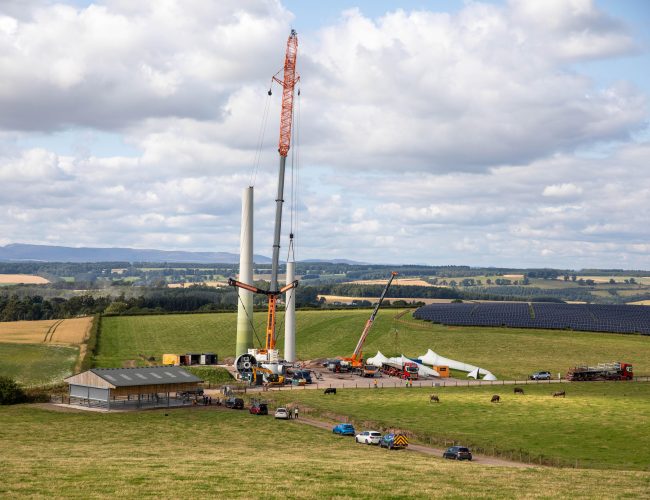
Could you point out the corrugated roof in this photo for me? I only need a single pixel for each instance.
(148, 375)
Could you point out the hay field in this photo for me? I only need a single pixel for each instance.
(22, 279)
(397, 281)
(51, 331)
(640, 303)
(348, 299)
(197, 453)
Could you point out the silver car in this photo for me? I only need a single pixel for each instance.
(541, 376)
(368, 437)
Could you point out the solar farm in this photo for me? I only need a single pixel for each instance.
(580, 317)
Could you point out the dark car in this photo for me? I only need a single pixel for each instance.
(540, 376)
(259, 409)
(234, 403)
(394, 441)
(457, 453)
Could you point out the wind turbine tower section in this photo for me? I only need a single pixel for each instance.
(245, 304)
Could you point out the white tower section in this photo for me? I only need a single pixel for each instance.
(290, 316)
(245, 303)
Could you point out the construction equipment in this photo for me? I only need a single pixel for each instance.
(356, 360)
(407, 370)
(288, 83)
(602, 371)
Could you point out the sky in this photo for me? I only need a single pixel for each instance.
(510, 133)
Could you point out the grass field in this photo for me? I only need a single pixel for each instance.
(229, 454)
(589, 427)
(506, 352)
(37, 364)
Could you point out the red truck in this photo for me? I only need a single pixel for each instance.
(602, 371)
(408, 370)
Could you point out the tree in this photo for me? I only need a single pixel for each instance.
(10, 392)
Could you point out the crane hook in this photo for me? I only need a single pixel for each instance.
(270, 93)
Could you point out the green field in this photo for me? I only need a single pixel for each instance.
(228, 454)
(589, 428)
(37, 364)
(506, 352)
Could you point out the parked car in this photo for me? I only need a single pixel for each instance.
(457, 453)
(368, 437)
(234, 403)
(259, 409)
(344, 429)
(394, 441)
(282, 413)
(540, 376)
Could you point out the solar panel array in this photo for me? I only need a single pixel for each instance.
(581, 317)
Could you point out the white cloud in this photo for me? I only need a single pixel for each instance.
(425, 137)
(566, 190)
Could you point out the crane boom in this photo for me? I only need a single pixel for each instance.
(288, 86)
(290, 79)
(357, 355)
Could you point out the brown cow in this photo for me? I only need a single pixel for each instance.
(519, 390)
(434, 399)
(559, 394)
(495, 399)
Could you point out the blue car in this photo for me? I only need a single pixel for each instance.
(344, 430)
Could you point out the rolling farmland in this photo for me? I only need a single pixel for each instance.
(132, 454)
(507, 352)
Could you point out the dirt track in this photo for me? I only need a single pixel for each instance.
(418, 448)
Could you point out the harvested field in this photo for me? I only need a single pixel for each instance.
(639, 303)
(22, 279)
(397, 281)
(347, 299)
(51, 331)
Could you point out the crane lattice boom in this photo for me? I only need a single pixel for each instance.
(288, 85)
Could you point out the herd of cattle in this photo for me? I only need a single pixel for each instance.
(496, 398)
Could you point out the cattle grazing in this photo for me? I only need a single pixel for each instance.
(495, 399)
(330, 390)
(559, 394)
(519, 390)
(434, 399)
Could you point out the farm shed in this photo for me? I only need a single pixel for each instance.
(149, 386)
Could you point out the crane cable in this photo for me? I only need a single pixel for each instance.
(260, 137)
(295, 181)
(251, 183)
(250, 319)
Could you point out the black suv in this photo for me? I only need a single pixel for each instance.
(457, 453)
(235, 403)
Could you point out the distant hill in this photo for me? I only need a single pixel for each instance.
(336, 261)
(17, 252)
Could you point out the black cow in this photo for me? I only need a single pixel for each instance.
(330, 390)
